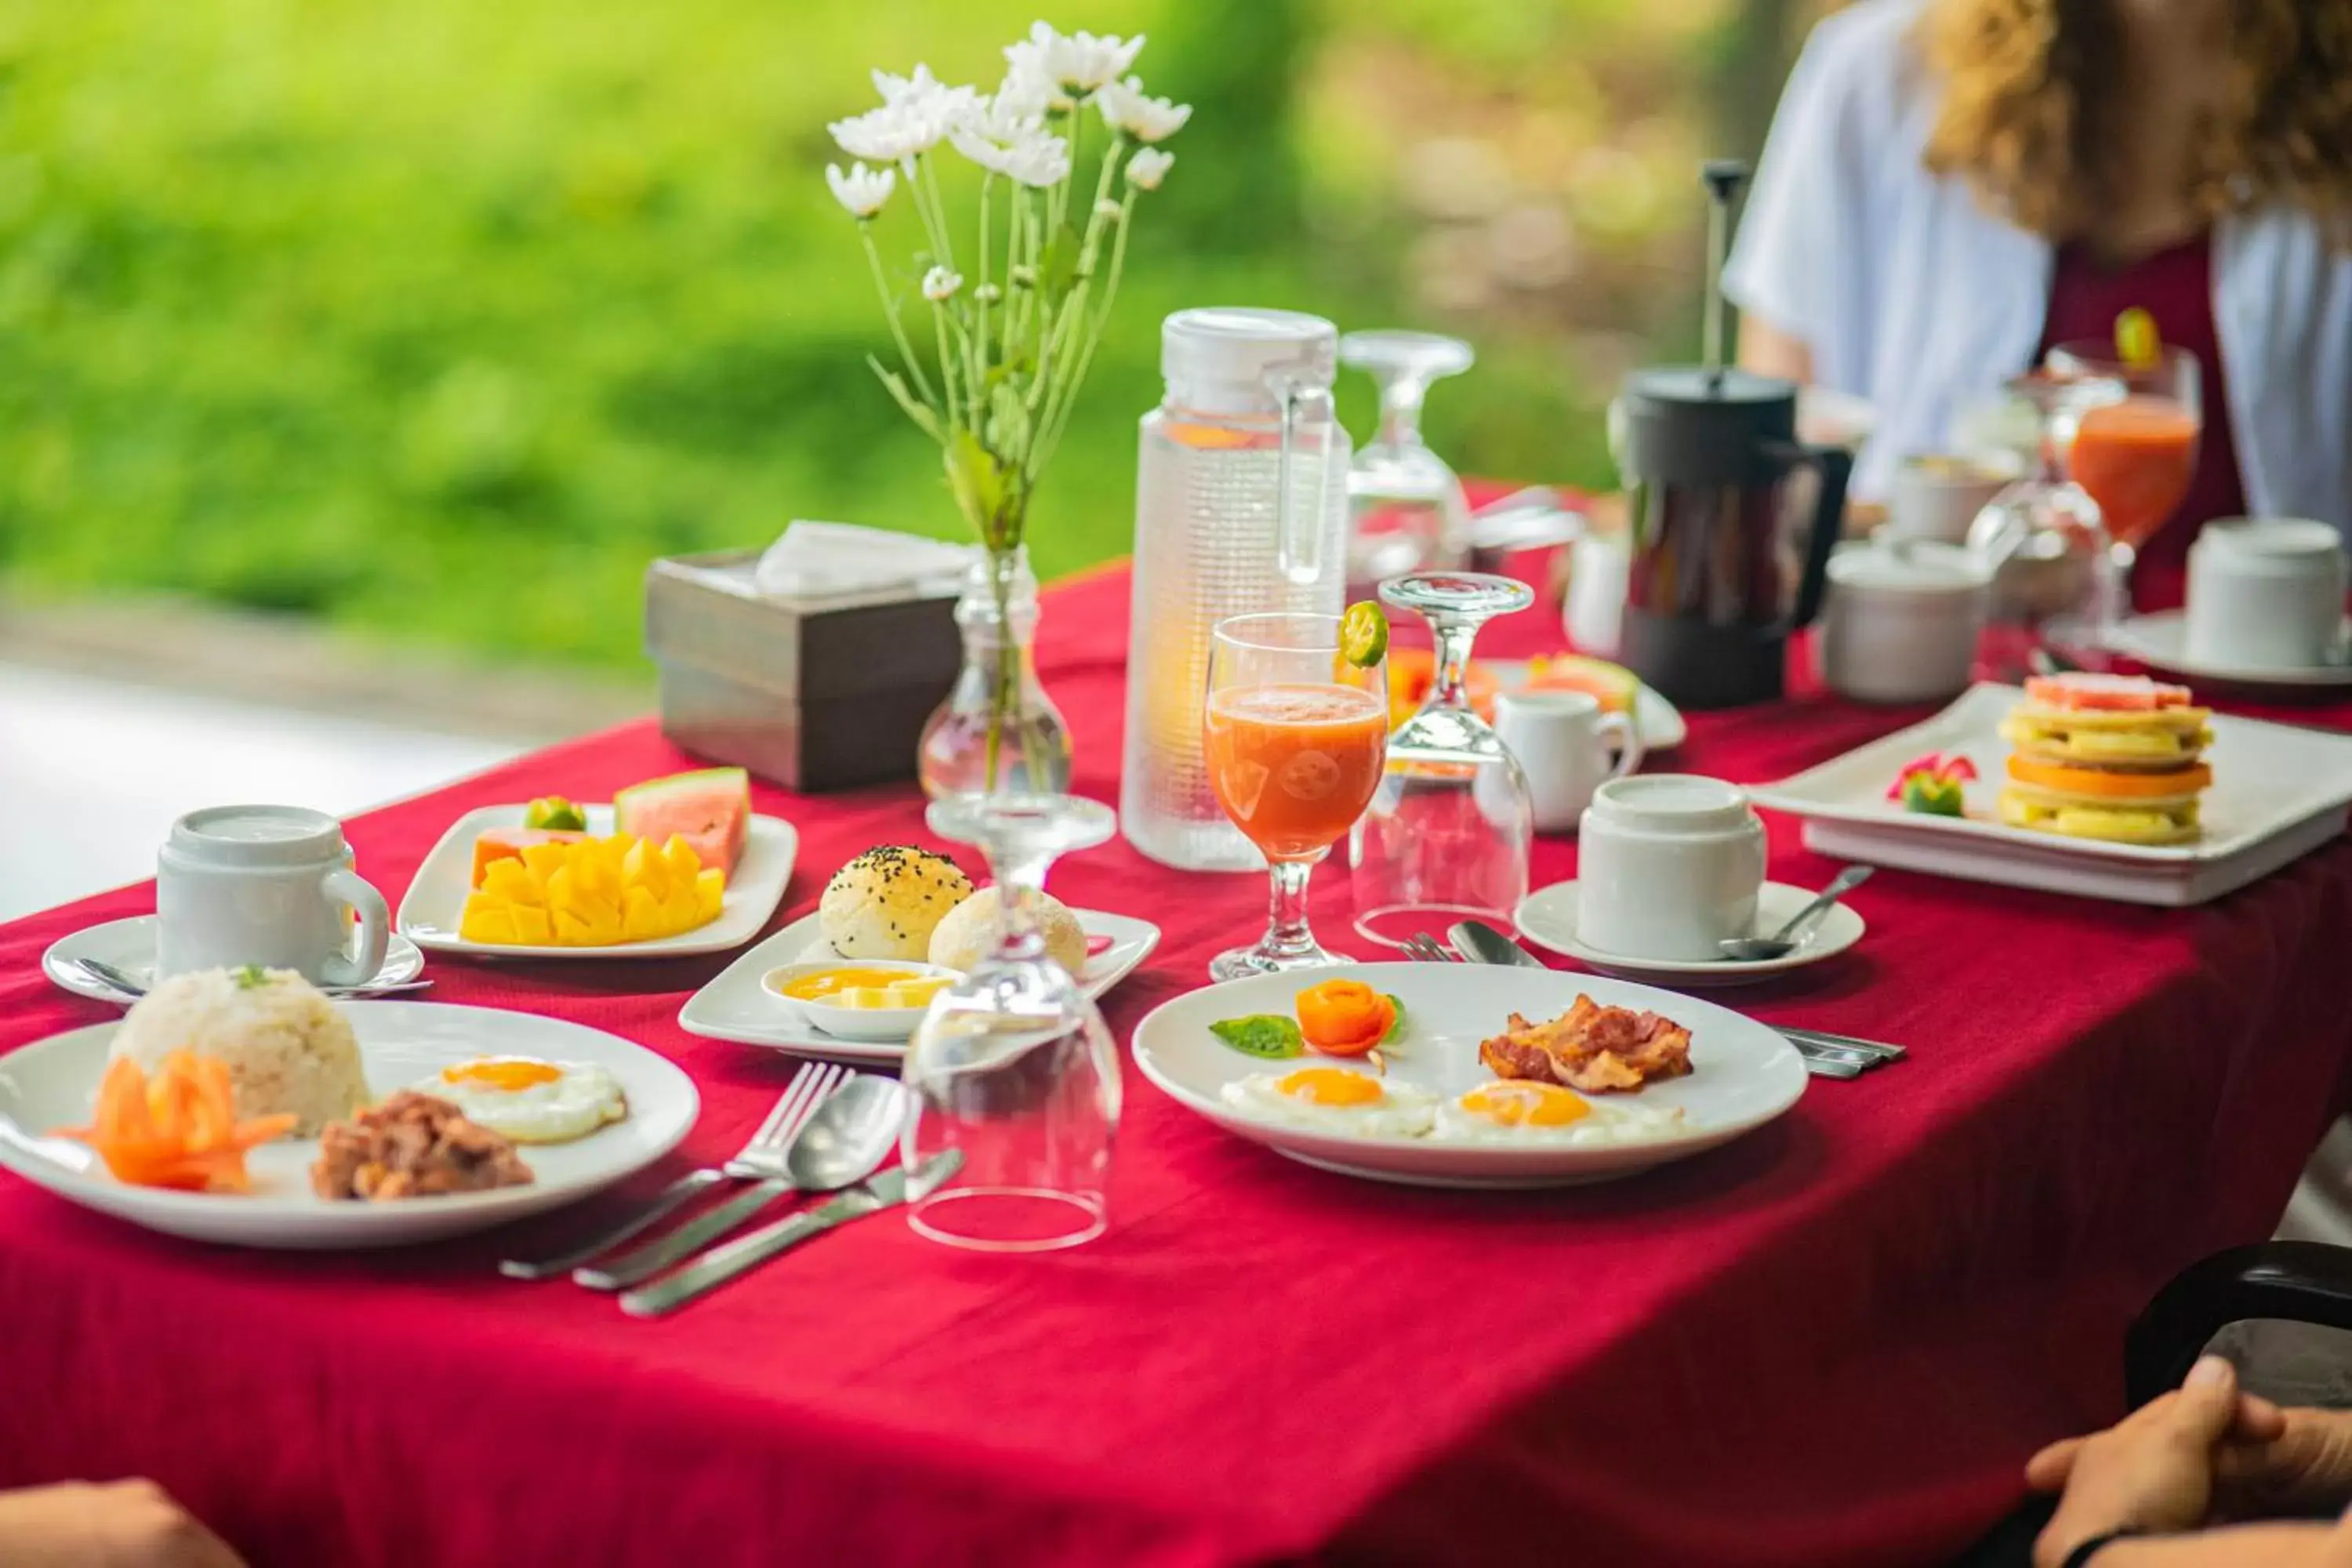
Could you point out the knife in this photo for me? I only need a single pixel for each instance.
(1848, 1055)
(722, 1264)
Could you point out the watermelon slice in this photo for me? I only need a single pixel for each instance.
(508, 842)
(710, 809)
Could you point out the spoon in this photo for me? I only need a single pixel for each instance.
(1789, 937)
(123, 981)
(842, 1146)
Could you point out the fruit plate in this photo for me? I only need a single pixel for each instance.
(2279, 791)
(735, 1007)
(52, 1083)
(436, 897)
(1743, 1074)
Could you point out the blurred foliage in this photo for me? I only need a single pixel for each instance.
(439, 318)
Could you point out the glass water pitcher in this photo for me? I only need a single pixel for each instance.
(1241, 506)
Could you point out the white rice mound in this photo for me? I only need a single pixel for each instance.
(286, 1047)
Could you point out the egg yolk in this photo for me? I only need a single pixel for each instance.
(1526, 1104)
(506, 1073)
(1330, 1085)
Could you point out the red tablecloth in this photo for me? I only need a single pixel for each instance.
(1831, 1343)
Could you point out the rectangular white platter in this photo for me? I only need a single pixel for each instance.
(2279, 791)
(436, 897)
(736, 1006)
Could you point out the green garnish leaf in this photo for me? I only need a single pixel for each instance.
(1266, 1035)
(252, 977)
(1396, 1024)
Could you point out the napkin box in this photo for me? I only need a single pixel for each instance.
(814, 693)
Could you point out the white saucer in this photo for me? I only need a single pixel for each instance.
(736, 1006)
(1548, 918)
(2160, 642)
(1658, 721)
(129, 946)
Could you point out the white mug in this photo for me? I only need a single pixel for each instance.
(1668, 867)
(264, 885)
(1600, 570)
(1564, 741)
(1936, 495)
(2265, 594)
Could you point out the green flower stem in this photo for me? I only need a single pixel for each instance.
(890, 311)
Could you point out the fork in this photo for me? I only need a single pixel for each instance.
(1427, 948)
(763, 1156)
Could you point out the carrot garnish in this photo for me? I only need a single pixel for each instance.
(176, 1129)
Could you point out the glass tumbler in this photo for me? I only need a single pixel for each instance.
(1013, 1067)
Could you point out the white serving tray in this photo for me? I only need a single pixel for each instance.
(2279, 791)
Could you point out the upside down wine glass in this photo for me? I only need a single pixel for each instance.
(1013, 1067)
(1294, 733)
(1446, 836)
(1406, 507)
(2056, 577)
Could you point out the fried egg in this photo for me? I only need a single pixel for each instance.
(1516, 1111)
(529, 1100)
(1335, 1100)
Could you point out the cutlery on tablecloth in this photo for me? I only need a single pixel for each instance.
(843, 1144)
(762, 1156)
(1826, 1056)
(1792, 936)
(123, 979)
(720, 1263)
(1424, 948)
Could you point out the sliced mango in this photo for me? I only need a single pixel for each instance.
(593, 892)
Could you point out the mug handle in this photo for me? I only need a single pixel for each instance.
(1629, 743)
(346, 886)
(1834, 465)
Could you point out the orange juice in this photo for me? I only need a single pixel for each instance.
(2137, 457)
(1293, 767)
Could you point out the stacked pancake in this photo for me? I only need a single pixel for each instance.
(2109, 757)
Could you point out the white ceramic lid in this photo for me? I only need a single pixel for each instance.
(2285, 545)
(1917, 568)
(1678, 803)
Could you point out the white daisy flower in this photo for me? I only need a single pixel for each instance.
(862, 190)
(940, 285)
(1148, 168)
(1125, 108)
(1077, 63)
(889, 134)
(924, 96)
(1003, 140)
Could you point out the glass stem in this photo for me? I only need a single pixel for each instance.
(1286, 935)
(1451, 688)
(1401, 402)
(1020, 878)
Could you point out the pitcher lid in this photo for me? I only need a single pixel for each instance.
(1238, 347)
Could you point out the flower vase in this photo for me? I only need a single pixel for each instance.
(997, 732)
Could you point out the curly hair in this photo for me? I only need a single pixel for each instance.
(2026, 120)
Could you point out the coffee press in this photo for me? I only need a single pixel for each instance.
(1727, 556)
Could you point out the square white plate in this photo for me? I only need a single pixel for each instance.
(436, 899)
(735, 1007)
(2278, 792)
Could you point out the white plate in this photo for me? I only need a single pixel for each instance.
(1548, 918)
(1659, 722)
(735, 1007)
(1743, 1074)
(53, 1083)
(2160, 642)
(129, 946)
(2278, 792)
(436, 899)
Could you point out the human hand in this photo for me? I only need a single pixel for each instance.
(2305, 1468)
(2154, 1470)
(121, 1525)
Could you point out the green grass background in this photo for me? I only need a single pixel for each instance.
(439, 318)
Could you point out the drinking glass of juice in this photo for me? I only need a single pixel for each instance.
(2135, 455)
(1294, 734)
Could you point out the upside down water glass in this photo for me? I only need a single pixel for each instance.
(1013, 1067)
(1293, 733)
(1446, 836)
